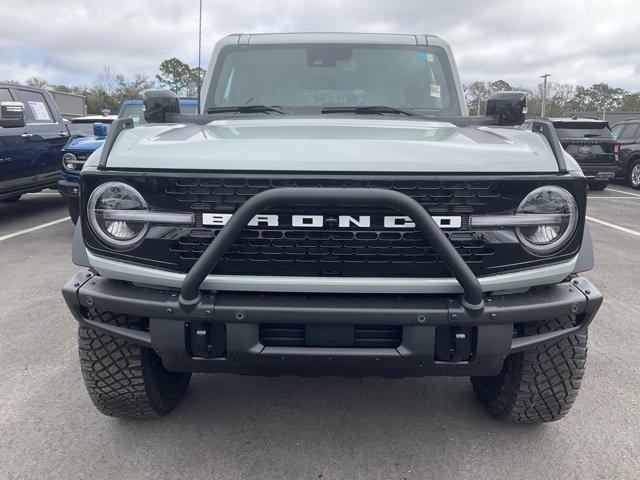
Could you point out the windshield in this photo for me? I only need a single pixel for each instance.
(136, 113)
(305, 78)
(582, 129)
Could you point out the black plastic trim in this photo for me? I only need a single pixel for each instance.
(115, 128)
(547, 129)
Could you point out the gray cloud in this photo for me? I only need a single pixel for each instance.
(580, 42)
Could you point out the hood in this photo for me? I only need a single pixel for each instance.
(85, 143)
(332, 144)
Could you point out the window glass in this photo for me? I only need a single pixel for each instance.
(134, 112)
(305, 78)
(36, 109)
(617, 130)
(630, 132)
(5, 95)
(582, 129)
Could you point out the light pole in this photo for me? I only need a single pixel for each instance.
(544, 93)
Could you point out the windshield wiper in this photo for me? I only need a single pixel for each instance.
(248, 109)
(369, 109)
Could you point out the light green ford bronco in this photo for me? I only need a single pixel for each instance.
(333, 210)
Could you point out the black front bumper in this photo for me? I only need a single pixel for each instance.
(224, 331)
(69, 188)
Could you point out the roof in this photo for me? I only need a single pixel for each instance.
(333, 37)
(576, 119)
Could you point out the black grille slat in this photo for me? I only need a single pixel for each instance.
(365, 336)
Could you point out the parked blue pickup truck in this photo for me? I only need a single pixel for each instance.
(32, 134)
(78, 149)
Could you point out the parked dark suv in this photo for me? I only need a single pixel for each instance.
(591, 143)
(627, 135)
(32, 134)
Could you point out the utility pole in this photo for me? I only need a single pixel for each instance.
(544, 93)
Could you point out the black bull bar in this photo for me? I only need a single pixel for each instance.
(472, 298)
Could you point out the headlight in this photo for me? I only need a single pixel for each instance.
(69, 161)
(559, 206)
(102, 210)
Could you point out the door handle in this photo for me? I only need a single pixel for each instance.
(62, 134)
(26, 135)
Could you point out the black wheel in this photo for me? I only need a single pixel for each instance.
(633, 174)
(73, 205)
(126, 380)
(13, 199)
(539, 385)
(598, 185)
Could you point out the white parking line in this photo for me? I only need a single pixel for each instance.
(610, 198)
(33, 229)
(622, 191)
(611, 225)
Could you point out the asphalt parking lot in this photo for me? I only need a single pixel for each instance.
(233, 427)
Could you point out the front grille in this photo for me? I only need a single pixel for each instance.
(225, 195)
(285, 250)
(364, 336)
(328, 251)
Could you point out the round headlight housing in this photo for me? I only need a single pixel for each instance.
(561, 211)
(69, 161)
(104, 203)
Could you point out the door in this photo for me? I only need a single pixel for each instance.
(628, 140)
(45, 135)
(14, 152)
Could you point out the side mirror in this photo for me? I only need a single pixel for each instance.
(12, 115)
(157, 103)
(100, 129)
(508, 107)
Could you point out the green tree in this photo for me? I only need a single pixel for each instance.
(476, 94)
(37, 82)
(179, 77)
(599, 96)
(631, 103)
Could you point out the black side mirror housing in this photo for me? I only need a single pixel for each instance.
(509, 108)
(12, 115)
(157, 103)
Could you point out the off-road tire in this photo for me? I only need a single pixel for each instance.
(598, 185)
(126, 380)
(539, 385)
(13, 199)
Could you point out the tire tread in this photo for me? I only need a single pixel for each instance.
(541, 384)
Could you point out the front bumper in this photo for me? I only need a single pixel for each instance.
(231, 327)
(69, 185)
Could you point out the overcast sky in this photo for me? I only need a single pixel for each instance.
(579, 42)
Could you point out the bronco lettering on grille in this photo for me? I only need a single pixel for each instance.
(319, 221)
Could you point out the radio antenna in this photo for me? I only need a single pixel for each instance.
(199, 54)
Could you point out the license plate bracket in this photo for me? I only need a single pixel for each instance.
(329, 336)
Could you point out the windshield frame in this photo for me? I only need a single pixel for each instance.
(454, 110)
